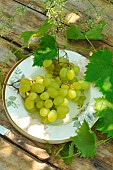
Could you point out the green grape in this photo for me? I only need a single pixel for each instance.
(70, 74)
(64, 65)
(66, 102)
(65, 80)
(44, 95)
(52, 115)
(78, 94)
(46, 81)
(37, 87)
(58, 80)
(37, 99)
(39, 79)
(58, 100)
(62, 92)
(84, 85)
(63, 60)
(29, 104)
(48, 103)
(48, 76)
(52, 92)
(76, 69)
(76, 85)
(47, 63)
(26, 81)
(72, 93)
(45, 120)
(65, 86)
(44, 111)
(51, 68)
(24, 88)
(40, 104)
(80, 101)
(62, 109)
(63, 72)
(61, 115)
(33, 110)
(54, 84)
(33, 95)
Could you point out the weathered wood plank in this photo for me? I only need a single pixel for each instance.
(86, 9)
(19, 26)
(29, 20)
(99, 7)
(12, 158)
(6, 55)
(34, 4)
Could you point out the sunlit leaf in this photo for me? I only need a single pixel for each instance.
(100, 71)
(85, 141)
(105, 122)
(67, 152)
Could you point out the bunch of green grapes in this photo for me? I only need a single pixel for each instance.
(50, 94)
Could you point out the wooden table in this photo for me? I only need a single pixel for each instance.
(11, 156)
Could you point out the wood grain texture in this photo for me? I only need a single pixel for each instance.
(21, 24)
(87, 10)
(31, 20)
(12, 158)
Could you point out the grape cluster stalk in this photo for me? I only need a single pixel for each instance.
(50, 95)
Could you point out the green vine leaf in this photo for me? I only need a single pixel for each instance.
(105, 122)
(74, 32)
(41, 31)
(96, 33)
(47, 50)
(85, 140)
(26, 35)
(101, 104)
(67, 152)
(100, 71)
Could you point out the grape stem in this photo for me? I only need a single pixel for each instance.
(58, 52)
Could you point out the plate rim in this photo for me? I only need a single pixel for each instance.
(23, 132)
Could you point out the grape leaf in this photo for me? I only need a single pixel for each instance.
(67, 152)
(26, 35)
(105, 121)
(74, 32)
(100, 71)
(101, 103)
(42, 30)
(40, 56)
(95, 33)
(47, 41)
(85, 140)
(47, 50)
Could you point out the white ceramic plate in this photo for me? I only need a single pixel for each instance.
(30, 125)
